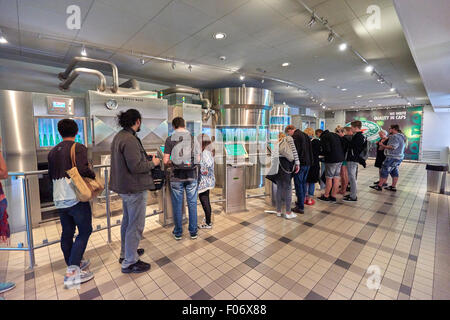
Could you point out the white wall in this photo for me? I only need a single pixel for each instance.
(339, 119)
(436, 131)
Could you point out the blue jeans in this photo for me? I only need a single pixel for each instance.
(177, 191)
(390, 166)
(132, 227)
(300, 186)
(311, 187)
(80, 216)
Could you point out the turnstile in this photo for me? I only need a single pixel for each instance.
(234, 188)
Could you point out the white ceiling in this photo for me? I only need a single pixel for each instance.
(430, 44)
(261, 34)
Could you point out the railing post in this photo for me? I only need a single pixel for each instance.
(108, 212)
(28, 221)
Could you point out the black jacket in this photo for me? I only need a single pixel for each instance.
(332, 147)
(314, 170)
(303, 146)
(355, 147)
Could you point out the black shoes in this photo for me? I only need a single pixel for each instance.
(138, 267)
(140, 252)
(376, 187)
(391, 188)
(348, 198)
(377, 182)
(298, 210)
(327, 199)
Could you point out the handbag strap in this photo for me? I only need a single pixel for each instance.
(72, 155)
(286, 171)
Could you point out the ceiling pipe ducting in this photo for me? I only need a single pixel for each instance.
(131, 84)
(115, 72)
(65, 84)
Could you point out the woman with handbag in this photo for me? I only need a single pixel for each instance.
(288, 165)
(73, 213)
(207, 180)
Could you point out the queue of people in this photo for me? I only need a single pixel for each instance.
(190, 164)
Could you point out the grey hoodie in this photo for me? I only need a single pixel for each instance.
(397, 141)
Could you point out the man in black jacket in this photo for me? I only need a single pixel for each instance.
(333, 151)
(355, 147)
(131, 179)
(304, 150)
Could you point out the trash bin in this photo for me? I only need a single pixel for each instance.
(436, 175)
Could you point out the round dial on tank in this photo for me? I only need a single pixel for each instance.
(111, 104)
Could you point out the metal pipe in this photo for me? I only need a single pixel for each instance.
(65, 84)
(115, 72)
(206, 102)
(131, 83)
(108, 210)
(28, 222)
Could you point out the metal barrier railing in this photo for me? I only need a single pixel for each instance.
(28, 222)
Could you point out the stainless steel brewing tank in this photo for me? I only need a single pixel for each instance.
(244, 111)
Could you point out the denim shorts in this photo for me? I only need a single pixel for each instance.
(390, 166)
(333, 170)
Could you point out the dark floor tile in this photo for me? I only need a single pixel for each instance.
(309, 224)
(388, 203)
(342, 263)
(314, 296)
(201, 295)
(29, 276)
(285, 240)
(90, 295)
(412, 257)
(325, 212)
(245, 223)
(418, 236)
(381, 212)
(251, 262)
(163, 261)
(405, 289)
(211, 239)
(372, 224)
(359, 240)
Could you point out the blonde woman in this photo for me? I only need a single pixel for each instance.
(283, 179)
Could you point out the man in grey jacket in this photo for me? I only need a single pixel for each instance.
(131, 179)
(394, 152)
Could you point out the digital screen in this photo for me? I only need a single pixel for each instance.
(49, 135)
(162, 149)
(235, 149)
(58, 104)
(271, 146)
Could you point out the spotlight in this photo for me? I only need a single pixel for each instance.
(83, 51)
(142, 61)
(219, 35)
(242, 77)
(285, 64)
(343, 46)
(2, 38)
(262, 80)
(190, 68)
(330, 36)
(312, 21)
(392, 89)
(369, 68)
(321, 79)
(173, 65)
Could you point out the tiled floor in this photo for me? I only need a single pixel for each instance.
(323, 254)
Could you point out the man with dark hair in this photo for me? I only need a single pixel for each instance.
(303, 145)
(131, 178)
(318, 133)
(394, 152)
(72, 212)
(355, 147)
(333, 151)
(182, 156)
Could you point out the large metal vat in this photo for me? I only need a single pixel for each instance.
(242, 115)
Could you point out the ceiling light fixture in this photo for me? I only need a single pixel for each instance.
(321, 79)
(242, 77)
(220, 35)
(343, 46)
(360, 96)
(2, 38)
(370, 100)
(343, 89)
(285, 64)
(324, 107)
(312, 21)
(369, 68)
(392, 89)
(83, 51)
(262, 80)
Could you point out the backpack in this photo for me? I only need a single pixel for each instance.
(181, 161)
(364, 155)
(285, 150)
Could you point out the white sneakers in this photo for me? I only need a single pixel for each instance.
(290, 216)
(278, 214)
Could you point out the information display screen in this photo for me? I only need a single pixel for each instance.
(235, 150)
(49, 135)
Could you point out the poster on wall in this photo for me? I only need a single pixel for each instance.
(409, 120)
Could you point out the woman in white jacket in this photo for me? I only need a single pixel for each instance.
(207, 179)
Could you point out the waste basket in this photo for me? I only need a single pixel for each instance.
(436, 175)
